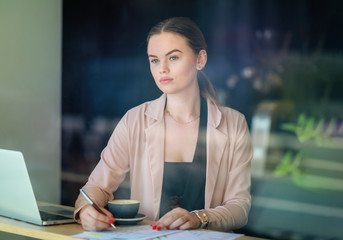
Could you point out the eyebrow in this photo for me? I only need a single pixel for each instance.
(168, 53)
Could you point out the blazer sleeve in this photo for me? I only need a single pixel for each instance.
(111, 170)
(234, 210)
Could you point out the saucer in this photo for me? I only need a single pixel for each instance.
(130, 221)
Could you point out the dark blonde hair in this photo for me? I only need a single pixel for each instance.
(195, 39)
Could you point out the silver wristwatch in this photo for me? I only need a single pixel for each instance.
(201, 215)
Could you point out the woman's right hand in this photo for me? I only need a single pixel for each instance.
(92, 220)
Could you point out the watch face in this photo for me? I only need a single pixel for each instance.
(203, 216)
(203, 219)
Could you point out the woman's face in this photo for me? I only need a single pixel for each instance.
(173, 63)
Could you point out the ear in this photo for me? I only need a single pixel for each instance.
(202, 59)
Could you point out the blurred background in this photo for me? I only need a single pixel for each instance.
(278, 62)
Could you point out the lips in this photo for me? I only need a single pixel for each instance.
(165, 80)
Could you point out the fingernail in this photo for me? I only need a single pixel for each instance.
(111, 221)
(168, 228)
(154, 227)
(158, 228)
(178, 228)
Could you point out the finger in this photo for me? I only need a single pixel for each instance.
(186, 221)
(92, 227)
(186, 225)
(173, 219)
(94, 223)
(92, 220)
(90, 224)
(101, 217)
(167, 219)
(191, 223)
(153, 225)
(180, 221)
(106, 212)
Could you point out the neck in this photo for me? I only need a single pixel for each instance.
(183, 108)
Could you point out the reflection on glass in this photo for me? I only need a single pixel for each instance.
(266, 62)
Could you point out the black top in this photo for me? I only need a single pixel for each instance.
(184, 182)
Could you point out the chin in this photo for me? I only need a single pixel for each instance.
(165, 89)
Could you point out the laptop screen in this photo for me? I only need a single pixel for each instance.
(17, 198)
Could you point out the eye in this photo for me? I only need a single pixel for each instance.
(173, 58)
(154, 60)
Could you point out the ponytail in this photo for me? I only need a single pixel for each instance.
(206, 88)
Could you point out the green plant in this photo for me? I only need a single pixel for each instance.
(307, 129)
(289, 166)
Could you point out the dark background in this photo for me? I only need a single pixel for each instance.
(104, 47)
(293, 50)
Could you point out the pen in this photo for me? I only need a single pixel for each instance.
(94, 205)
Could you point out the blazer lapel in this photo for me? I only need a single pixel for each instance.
(216, 142)
(155, 145)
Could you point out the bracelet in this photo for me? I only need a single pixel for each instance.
(202, 216)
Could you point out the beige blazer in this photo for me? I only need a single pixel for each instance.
(137, 146)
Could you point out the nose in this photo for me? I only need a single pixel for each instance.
(164, 68)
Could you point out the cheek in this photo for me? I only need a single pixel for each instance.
(188, 66)
(154, 73)
(188, 70)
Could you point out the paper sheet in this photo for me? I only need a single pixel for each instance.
(145, 232)
(199, 235)
(127, 233)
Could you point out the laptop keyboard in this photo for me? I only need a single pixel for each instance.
(50, 217)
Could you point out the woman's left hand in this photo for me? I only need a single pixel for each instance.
(177, 218)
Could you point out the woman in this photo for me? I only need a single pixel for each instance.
(188, 156)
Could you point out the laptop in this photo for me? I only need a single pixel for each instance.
(17, 199)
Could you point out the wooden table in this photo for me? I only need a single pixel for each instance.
(55, 232)
(30, 230)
